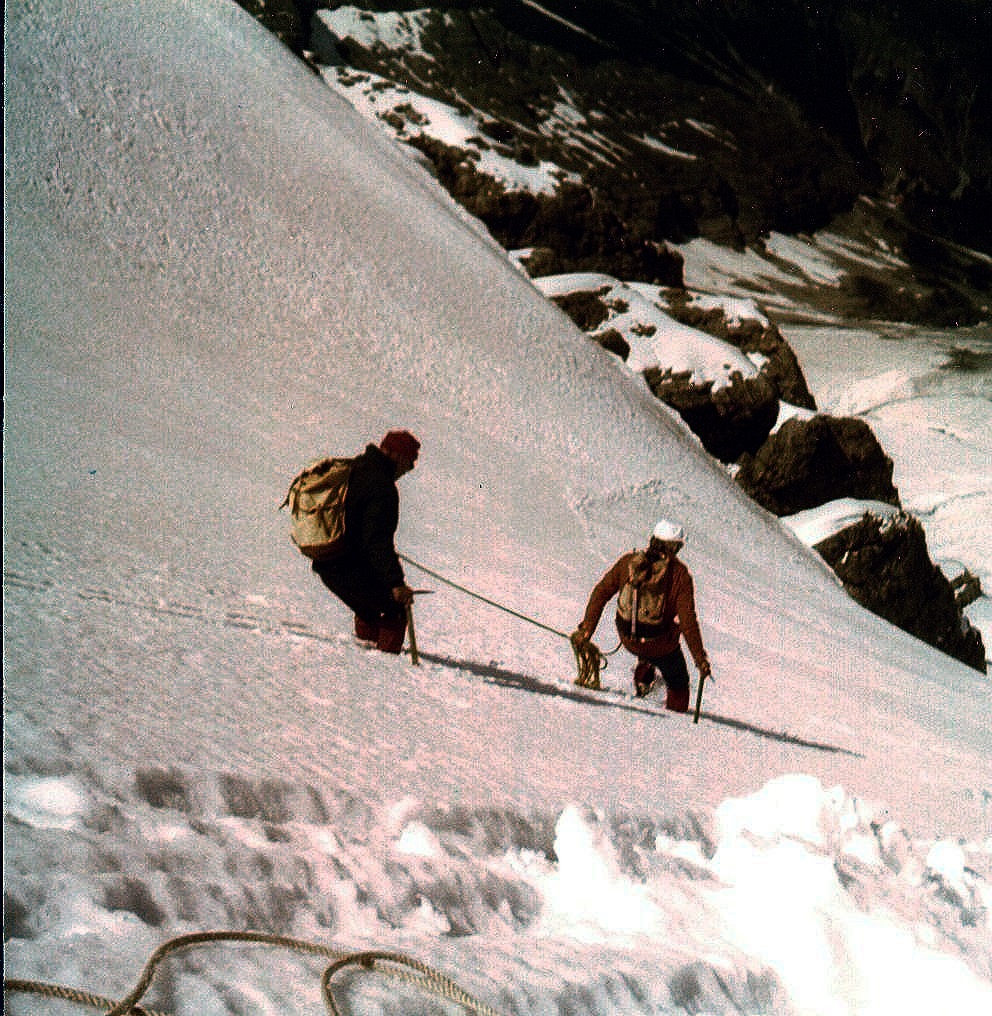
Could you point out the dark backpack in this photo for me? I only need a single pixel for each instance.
(316, 503)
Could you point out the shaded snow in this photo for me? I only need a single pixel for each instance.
(217, 270)
(803, 256)
(660, 146)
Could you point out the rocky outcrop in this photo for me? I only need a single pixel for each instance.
(730, 420)
(807, 463)
(882, 559)
(587, 308)
(584, 231)
(967, 588)
(724, 376)
(735, 420)
(759, 338)
(885, 566)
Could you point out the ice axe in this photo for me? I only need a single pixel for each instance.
(699, 697)
(414, 653)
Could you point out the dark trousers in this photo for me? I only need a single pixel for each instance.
(674, 673)
(673, 670)
(352, 582)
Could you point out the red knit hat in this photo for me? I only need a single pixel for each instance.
(400, 444)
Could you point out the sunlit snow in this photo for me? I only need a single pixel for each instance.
(215, 271)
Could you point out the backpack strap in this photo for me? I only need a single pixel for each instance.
(668, 614)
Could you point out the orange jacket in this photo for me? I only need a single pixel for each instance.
(685, 610)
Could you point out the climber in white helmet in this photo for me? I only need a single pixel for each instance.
(656, 607)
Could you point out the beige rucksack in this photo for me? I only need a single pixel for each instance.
(645, 600)
(316, 503)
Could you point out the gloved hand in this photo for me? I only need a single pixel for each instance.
(704, 670)
(579, 637)
(403, 594)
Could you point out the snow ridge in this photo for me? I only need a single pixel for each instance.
(588, 890)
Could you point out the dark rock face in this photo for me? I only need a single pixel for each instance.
(538, 261)
(587, 308)
(807, 463)
(731, 421)
(885, 566)
(584, 231)
(714, 119)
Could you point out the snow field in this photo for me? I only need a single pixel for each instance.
(216, 270)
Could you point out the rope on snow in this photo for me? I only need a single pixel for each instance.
(589, 658)
(412, 971)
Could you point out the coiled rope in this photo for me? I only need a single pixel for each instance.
(395, 965)
(589, 661)
(589, 658)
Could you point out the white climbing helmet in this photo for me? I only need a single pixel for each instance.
(668, 532)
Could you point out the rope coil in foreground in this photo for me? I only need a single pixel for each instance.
(395, 965)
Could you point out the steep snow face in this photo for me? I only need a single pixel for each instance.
(205, 228)
(213, 277)
(215, 271)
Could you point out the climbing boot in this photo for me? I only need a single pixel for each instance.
(391, 635)
(365, 630)
(644, 678)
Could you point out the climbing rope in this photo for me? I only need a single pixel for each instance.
(589, 661)
(483, 599)
(428, 980)
(17, 986)
(395, 965)
(589, 658)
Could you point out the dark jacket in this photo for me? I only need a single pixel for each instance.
(372, 513)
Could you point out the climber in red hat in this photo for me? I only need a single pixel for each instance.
(367, 575)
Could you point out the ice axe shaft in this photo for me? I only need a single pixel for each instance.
(414, 654)
(699, 699)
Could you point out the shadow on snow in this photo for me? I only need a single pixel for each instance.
(612, 699)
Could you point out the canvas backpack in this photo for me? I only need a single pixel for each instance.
(316, 503)
(645, 600)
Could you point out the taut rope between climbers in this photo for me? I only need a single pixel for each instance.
(589, 658)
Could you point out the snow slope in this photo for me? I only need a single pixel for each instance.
(216, 270)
